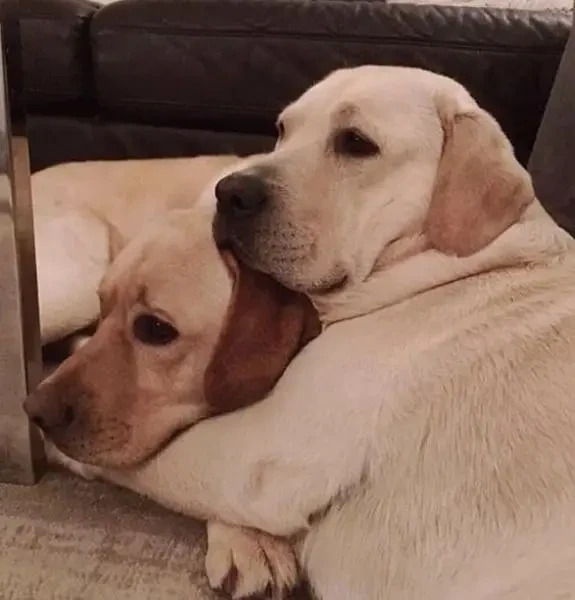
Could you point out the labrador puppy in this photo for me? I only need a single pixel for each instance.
(422, 445)
(186, 333)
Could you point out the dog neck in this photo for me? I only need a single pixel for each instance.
(410, 267)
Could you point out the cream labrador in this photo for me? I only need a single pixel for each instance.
(236, 329)
(85, 212)
(185, 334)
(422, 445)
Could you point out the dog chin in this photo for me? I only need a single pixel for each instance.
(331, 286)
(287, 275)
(119, 459)
(328, 285)
(123, 455)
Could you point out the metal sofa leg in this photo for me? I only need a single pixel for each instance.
(21, 450)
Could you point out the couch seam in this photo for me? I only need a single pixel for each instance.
(342, 40)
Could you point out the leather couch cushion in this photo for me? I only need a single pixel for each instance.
(95, 139)
(56, 52)
(241, 61)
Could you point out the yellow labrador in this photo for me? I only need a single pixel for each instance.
(185, 334)
(422, 445)
(85, 212)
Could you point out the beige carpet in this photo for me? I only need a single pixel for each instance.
(68, 539)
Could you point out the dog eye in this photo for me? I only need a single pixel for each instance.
(351, 142)
(152, 331)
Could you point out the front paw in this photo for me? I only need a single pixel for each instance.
(245, 562)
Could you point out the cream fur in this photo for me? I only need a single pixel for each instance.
(85, 213)
(82, 211)
(423, 448)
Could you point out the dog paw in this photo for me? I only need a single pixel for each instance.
(245, 562)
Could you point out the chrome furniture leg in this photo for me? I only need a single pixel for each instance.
(21, 453)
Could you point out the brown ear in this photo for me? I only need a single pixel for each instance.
(480, 189)
(266, 327)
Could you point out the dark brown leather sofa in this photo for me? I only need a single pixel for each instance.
(142, 78)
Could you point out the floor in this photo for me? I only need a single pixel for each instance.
(69, 539)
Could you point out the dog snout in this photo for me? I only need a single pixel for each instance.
(48, 414)
(241, 195)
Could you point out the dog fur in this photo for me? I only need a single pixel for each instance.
(422, 445)
(237, 328)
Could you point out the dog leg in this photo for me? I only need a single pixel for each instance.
(245, 562)
(240, 561)
(246, 468)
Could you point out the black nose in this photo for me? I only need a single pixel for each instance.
(241, 195)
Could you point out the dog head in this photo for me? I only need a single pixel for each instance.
(186, 332)
(365, 159)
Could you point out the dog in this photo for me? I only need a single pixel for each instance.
(186, 333)
(85, 212)
(85, 215)
(421, 446)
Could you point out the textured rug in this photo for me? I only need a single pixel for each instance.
(69, 539)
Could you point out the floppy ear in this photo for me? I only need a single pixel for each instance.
(480, 189)
(265, 328)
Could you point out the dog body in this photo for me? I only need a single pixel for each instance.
(471, 492)
(421, 446)
(85, 212)
(450, 483)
